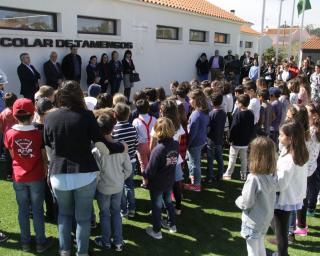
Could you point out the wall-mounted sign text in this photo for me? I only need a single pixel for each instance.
(60, 43)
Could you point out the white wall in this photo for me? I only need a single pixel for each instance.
(245, 37)
(158, 61)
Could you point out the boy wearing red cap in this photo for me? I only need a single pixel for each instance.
(25, 144)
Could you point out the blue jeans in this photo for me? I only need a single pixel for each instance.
(194, 163)
(214, 152)
(75, 203)
(203, 77)
(110, 218)
(157, 199)
(128, 201)
(30, 194)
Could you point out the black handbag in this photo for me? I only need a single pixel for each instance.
(134, 77)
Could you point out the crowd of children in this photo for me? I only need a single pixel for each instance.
(274, 128)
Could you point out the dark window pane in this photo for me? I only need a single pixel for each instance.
(197, 36)
(170, 33)
(96, 26)
(27, 20)
(248, 45)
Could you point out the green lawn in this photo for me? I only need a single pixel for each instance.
(209, 225)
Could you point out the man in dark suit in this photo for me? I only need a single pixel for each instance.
(52, 71)
(247, 63)
(216, 64)
(71, 65)
(29, 77)
(227, 60)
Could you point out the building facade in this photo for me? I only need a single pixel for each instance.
(165, 40)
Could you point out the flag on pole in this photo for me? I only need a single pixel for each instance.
(306, 7)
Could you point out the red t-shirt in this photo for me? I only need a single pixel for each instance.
(25, 142)
(7, 120)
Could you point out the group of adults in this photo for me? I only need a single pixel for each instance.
(231, 67)
(107, 73)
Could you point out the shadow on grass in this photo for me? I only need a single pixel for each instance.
(13, 243)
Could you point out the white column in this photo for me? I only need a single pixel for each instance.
(290, 32)
(278, 31)
(301, 30)
(261, 36)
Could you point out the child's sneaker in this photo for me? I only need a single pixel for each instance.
(98, 241)
(191, 187)
(26, 247)
(131, 214)
(165, 224)
(45, 246)
(124, 214)
(155, 235)
(301, 231)
(93, 224)
(243, 176)
(3, 237)
(291, 238)
(177, 211)
(310, 213)
(64, 253)
(226, 177)
(118, 247)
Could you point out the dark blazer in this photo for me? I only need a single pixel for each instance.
(127, 67)
(202, 67)
(104, 72)
(67, 67)
(53, 73)
(28, 80)
(115, 71)
(92, 73)
(61, 130)
(221, 62)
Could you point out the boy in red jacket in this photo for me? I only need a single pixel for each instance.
(25, 145)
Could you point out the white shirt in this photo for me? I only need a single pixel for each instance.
(313, 146)
(141, 127)
(291, 180)
(255, 106)
(227, 106)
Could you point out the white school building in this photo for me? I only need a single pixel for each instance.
(165, 36)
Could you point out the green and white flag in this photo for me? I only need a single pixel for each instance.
(306, 7)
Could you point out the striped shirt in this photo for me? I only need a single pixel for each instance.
(124, 131)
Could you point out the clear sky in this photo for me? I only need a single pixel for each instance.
(251, 10)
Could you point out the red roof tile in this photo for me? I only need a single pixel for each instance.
(286, 31)
(202, 7)
(312, 44)
(248, 30)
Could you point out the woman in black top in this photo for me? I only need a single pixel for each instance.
(104, 72)
(68, 134)
(92, 70)
(203, 67)
(115, 67)
(128, 69)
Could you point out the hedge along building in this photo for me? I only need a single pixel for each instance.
(166, 36)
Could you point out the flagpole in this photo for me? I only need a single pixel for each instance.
(301, 29)
(290, 32)
(278, 32)
(260, 39)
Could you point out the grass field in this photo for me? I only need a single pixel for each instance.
(209, 225)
